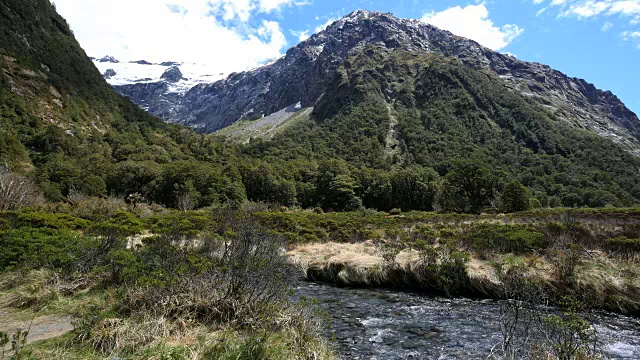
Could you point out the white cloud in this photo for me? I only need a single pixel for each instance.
(591, 8)
(627, 8)
(538, 2)
(586, 9)
(322, 27)
(301, 35)
(473, 22)
(541, 11)
(243, 9)
(276, 5)
(630, 35)
(181, 30)
(606, 26)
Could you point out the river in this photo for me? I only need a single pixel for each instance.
(385, 324)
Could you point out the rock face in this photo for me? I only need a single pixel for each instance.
(109, 59)
(109, 74)
(141, 62)
(301, 76)
(173, 74)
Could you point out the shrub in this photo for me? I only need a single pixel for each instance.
(16, 191)
(506, 238)
(516, 197)
(52, 221)
(395, 211)
(625, 247)
(443, 269)
(37, 248)
(234, 276)
(122, 224)
(565, 259)
(569, 335)
(179, 223)
(94, 208)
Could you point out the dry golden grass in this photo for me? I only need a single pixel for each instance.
(361, 264)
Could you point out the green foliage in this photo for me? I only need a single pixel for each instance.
(122, 224)
(99, 143)
(41, 248)
(264, 184)
(58, 221)
(469, 187)
(624, 246)
(516, 197)
(18, 341)
(569, 335)
(506, 238)
(443, 268)
(186, 224)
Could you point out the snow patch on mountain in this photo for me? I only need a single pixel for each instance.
(127, 73)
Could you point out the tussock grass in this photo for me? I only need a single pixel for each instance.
(605, 282)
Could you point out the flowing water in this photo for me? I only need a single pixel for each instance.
(384, 324)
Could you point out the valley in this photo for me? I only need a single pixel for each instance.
(383, 190)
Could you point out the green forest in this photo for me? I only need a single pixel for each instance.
(461, 140)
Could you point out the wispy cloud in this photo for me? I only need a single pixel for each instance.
(625, 13)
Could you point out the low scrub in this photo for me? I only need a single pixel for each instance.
(628, 249)
(499, 238)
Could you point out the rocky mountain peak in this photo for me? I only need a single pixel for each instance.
(141, 62)
(302, 74)
(172, 74)
(109, 59)
(109, 74)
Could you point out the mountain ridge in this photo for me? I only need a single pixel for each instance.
(299, 76)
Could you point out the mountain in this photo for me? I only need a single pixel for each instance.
(301, 76)
(156, 87)
(401, 123)
(64, 127)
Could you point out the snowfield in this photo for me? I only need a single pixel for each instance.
(132, 73)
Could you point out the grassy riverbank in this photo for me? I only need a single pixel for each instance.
(591, 255)
(162, 285)
(150, 283)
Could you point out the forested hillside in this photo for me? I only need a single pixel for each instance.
(394, 129)
(63, 126)
(401, 118)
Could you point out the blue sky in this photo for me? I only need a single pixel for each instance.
(597, 40)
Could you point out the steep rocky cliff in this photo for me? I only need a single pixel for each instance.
(302, 74)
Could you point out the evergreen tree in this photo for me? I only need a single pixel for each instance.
(516, 197)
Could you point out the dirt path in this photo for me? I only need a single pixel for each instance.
(43, 327)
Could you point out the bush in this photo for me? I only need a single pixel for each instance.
(234, 276)
(395, 211)
(625, 247)
(507, 238)
(179, 223)
(16, 191)
(93, 208)
(122, 224)
(442, 268)
(52, 221)
(42, 248)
